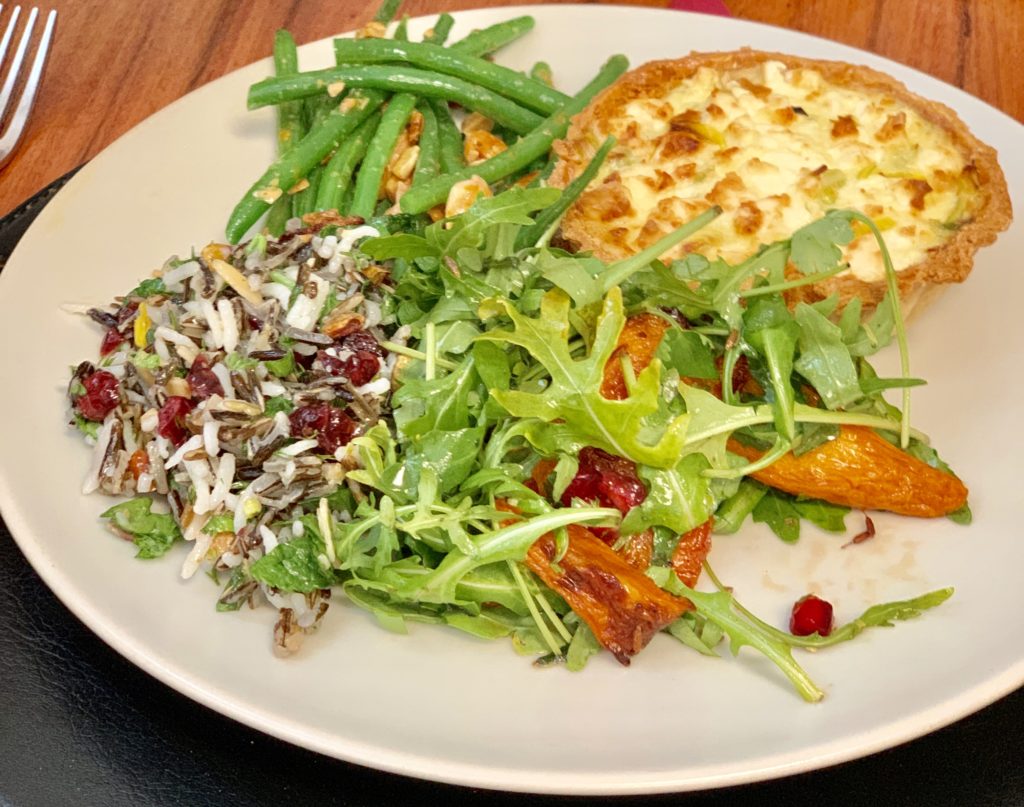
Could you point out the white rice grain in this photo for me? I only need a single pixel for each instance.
(215, 337)
(224, 376)
(269, 539)
(196, 556)
(210, 441)
(92, 478)
(229, 324)
(191, 444)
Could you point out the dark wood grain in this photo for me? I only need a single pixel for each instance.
(116, 62)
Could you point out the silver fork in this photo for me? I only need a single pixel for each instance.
(10, 136)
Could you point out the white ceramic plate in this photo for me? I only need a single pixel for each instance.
(441, 705)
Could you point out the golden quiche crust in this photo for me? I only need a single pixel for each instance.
(595, 222)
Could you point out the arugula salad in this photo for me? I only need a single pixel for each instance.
(443, 417)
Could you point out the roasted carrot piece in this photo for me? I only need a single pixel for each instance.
(638, 340)
(621, 605)
(862, 470)
(639, 550)
(691, 551)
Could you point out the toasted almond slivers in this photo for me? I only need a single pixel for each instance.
(475, 122)
(236, 280)
(301, 185)
(268, 195)
(335, 88)
(463, 194)
(178, 386)
(372, 30)
(406, 162)
(342, 323)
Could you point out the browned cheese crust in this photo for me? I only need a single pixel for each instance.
(591, 223)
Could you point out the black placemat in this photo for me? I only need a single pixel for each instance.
(79, 725)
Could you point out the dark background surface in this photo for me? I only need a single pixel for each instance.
(79, 725)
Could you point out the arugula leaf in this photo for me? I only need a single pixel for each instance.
(295, 566)
(731, 513)
(147, 361)
(687, 353)
(576, 276)
(152, 533)
(221, 522)
(401, 245)
(582, 647)
(282, 367)
(815, 247)
(450, 454)
(678, 498)
(148, 287)
(278, 403)
(90, 428)
(719, 608)
(422, 405)
(571, 412)
(780, 514)
(770, 329)
(829, 517)
(824, 360)
(236, 361)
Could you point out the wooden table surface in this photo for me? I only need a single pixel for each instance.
(113, 63)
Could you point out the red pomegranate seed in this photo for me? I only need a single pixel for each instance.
(331, 426)
(111, 339)
(171, 419)
(202, 380)
(811, 614)
(102, 394)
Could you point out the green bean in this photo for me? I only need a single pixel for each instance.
(290, 128)
(304, 201)
(439, 33)
(528, 236)
(428, 165)
(346, 199)
(449, 139)
(317, 111)
(522, 152)
(297, 162)
(487, 40)
(386, 11)
(401, 30)
(337, 175)
(398, 80)
(378, 153)
(541, 72)
(530, 93)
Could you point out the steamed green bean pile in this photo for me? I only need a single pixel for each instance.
(376, 132)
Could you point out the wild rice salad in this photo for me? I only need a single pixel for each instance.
(231, 383)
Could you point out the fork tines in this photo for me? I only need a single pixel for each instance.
(11, 71)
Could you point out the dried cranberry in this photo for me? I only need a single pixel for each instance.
(361, 366)
(331, 426)
(102, 394)
(358, 367)
(202, 380)
(811, 614)
(362, 340)
(111, 339)
(611, 481)
(171, 419)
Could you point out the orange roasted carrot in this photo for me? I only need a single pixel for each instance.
(620, 604)
(639, 340)
(862, 470)
(691, 551)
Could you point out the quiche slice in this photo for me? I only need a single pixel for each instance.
(776, 141)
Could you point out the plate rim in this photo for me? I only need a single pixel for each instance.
(374, 756)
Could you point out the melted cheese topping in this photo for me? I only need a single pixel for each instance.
(776, 147)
